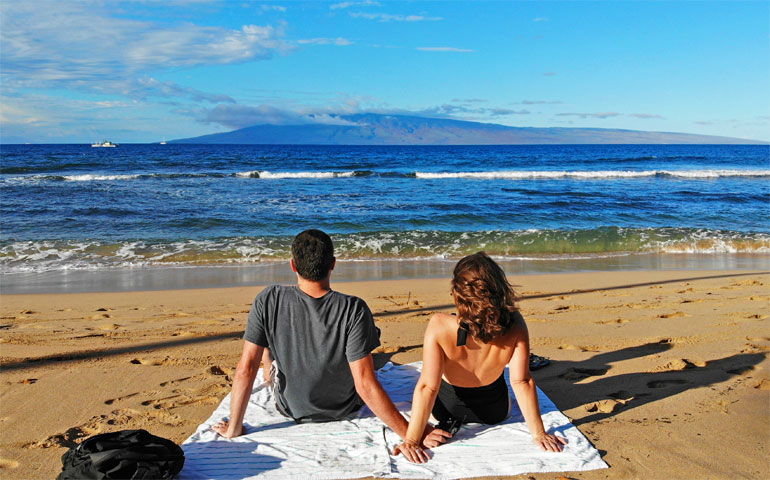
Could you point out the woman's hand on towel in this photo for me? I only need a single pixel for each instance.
(550, 442)
(223, 428)
(413, 452)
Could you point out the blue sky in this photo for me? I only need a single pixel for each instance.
(78, 71)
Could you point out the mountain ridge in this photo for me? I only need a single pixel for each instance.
(384, 129)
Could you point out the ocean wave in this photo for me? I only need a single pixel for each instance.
(535, 244)
(491, 175)
(279, 175)
(590, 174)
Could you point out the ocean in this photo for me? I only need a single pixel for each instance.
(77, 218)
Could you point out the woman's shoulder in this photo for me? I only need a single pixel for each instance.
(442, 320)
(441, 324)
(518, 328)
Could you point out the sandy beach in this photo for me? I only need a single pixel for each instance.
(665, 372)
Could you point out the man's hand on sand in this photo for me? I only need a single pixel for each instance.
(433, 437)
(222, 428)
(550, 442)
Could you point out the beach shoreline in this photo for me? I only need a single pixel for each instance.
(181, 277)
(658, 368)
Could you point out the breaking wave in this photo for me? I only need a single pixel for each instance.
(48, 255)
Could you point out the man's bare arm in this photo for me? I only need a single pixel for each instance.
(243, 381)
(371, 392)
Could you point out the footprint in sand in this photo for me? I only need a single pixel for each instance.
(174, 382)
(763, 384)
(680, 364)
(113, 400)
(758, 339)
(160, 402)
(152, 362)
(752, 348)
(673, 315)
(569, 346)
(215, 370)
(605, 406)
(100, 316)
(66, 439)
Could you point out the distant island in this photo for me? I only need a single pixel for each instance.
(380, 129)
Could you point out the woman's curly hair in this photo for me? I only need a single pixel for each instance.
(485, 300)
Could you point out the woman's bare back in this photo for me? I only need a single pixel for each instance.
(474, 364)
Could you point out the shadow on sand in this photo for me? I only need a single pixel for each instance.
(572, 384)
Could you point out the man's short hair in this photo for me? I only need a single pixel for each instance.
(313, 254)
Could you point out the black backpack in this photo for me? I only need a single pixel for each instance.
(125, 455)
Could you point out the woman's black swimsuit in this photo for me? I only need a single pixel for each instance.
(488, 404)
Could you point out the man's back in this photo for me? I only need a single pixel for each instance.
(312, 341)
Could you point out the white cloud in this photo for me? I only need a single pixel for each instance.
(78, 45)
(387, 17)
(444, 49)
(540, 19)
(343, 5)
(449, 110)
(325, 41)
(242, 116)
(274, 8)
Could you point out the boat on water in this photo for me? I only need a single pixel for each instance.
(104, 144)
(163, 142)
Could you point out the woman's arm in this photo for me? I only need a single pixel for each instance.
(526, 394)
(424, 394)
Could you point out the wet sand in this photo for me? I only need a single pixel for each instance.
(664, 371)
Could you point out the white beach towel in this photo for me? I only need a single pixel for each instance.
(274, 447)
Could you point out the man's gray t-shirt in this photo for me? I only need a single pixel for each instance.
(312, 340)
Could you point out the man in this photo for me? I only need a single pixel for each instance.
(321, 342)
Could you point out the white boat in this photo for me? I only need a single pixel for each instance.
(163, 142)
(104, 144)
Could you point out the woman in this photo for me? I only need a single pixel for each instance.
(464, 359)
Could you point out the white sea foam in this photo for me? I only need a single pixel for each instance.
(541, 245)
(597, 174)
(93, 177)
(278, 175)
